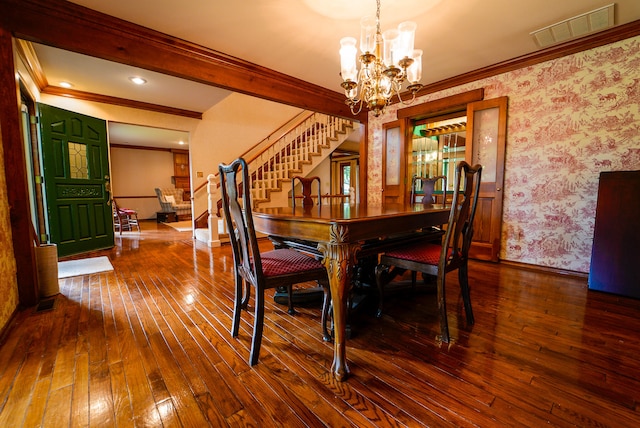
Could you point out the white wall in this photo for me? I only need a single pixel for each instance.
(229, 129)
(129, 179)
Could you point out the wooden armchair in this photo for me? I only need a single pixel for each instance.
(124, 218)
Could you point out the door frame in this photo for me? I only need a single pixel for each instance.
(464, 104)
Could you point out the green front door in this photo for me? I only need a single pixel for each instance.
(76, 179)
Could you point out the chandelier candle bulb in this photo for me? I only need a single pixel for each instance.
(414, 71)
(407, 34)
(368, 35)
(390, 40)
(348, 52)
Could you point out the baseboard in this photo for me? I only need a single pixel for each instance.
(546, 269)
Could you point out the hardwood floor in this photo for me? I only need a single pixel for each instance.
(149, 345)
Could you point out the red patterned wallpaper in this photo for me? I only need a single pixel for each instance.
(568, 120)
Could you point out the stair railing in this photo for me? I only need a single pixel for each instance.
(287, 155)
(281, 160)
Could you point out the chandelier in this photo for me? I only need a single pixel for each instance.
(387, 60)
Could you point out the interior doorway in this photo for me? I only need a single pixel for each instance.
(345, 171)
(143, 158)
(437, 145)
(432, 137)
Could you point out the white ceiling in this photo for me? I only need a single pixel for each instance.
(144, 136)
(301, 38)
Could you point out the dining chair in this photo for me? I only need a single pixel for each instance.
(281, 267)
(307, 184)
(438, 259)
(124, 218)
(427, 186)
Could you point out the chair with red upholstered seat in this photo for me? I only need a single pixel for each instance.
(124, 218)
(440, 258)
(282, 267)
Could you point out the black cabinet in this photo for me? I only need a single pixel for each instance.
(166, 217)
(615, 257)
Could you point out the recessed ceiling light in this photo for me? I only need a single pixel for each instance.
(181, 142)
(137, 80)
(66, 85)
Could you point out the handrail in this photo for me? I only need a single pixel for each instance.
(302, 117)
(288, 153)
(282, 129)
(198, 188)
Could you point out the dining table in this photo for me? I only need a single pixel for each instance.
(339, 231)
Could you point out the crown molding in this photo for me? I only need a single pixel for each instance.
(27, 54)
(122, 102)
(591, 41)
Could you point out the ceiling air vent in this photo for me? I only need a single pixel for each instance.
(578, 26)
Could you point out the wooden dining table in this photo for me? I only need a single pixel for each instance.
(340, 230)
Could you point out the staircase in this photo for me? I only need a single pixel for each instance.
(297, 153)
(273, 164)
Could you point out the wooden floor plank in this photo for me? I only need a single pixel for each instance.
(149, 344)
(21, 393)
(58, 412)
(35, 411)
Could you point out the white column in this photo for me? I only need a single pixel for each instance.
(212, 219)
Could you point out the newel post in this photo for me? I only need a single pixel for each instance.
(212, 219)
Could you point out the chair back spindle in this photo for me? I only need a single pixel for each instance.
(428, 187)
(307, 184)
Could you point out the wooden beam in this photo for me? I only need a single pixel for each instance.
(68, 26)
(123, 102)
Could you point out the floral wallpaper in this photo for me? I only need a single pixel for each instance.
(568, 120)
(8, 284)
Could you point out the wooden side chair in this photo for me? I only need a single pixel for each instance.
(307, 184)
(439, 259)
(124, 218)
(281, 267)
(427, 185)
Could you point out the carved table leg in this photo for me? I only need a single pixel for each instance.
(339, 259)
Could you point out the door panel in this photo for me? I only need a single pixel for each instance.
(486, 129)
(76, 178)
(393, 162)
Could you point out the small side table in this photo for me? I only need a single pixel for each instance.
(166, 217)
